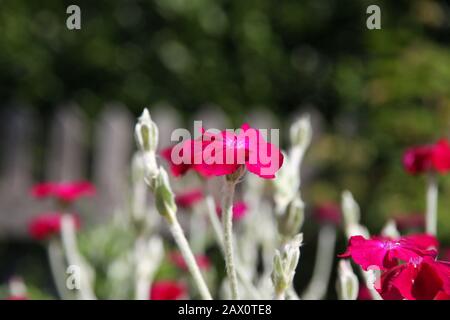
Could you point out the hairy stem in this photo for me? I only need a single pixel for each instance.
(183, 245)
(227, 221)
(56, 260)
(215, 222)
(318, 286)
(432, 199)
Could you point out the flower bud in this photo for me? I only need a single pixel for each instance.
(350, 209)
(301, 132)
(285, 262)
(164, 197)
(291, 221)
(347, 282)
(146, 133)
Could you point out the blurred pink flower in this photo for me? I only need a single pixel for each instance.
(239, 210)
(168, 290)
(64, 191)
(17, 298)
(384, 253)
(410, 221)
(177, 259)
(189, 198)
(46, 225)
(328, 213)
(420, 159)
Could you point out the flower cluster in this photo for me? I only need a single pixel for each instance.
(408, 265)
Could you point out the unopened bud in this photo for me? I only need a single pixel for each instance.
(301, 132)
(350, 209)
(285, 262)
(146, 133)
(347, 282)
(291, 221)
(164, 197)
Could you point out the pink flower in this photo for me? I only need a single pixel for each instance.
(223, 153)
(177, 259)
(410, 221)
(384, 253)
(65, 191)
(46, 225)
(239, 210)
(364, 293)
(328, 213)
(177, 169)
(168, 290)
(189, 199)
(420, 159)
(419, 279)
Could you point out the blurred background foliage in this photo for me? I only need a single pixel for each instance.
(378, 91)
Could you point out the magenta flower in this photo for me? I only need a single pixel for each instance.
(64, 191)
(420, 279)
(328, 213)
(239, 210)
(384, 253)
(168, 290)
(188, 199)
(47, 225)
(421, 159)
(223, 153)
(177, 259)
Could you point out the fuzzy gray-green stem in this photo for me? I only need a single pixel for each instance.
(432, 199)
(186, 252)
(227, 221)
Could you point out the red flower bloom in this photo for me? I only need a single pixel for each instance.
(217, 154)
(239, 210)
(328, 213)
(384, 253)
(48, 224)
(66, 192)
(189, 199)
(177, 259)
(421, 159)
(419, 279)
(168, 290)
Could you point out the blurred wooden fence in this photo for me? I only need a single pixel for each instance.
(78, 149)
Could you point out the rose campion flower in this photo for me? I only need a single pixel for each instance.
(168, 290)
(177, 259)
(427, 158)
(47, 225)
(188, 199)
(239, 210)
(384, 253)
(223, 153)
(422, 278)
(328, 213)
(364, 293)
(64, 191)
